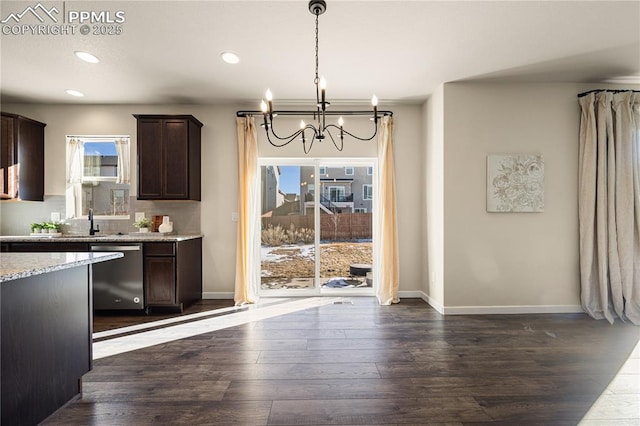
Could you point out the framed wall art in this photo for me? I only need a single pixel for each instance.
(515, 183)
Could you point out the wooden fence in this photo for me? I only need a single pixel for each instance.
(333, 227)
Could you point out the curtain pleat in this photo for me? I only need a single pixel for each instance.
(247, 251)
(387, 288)
(609, 205)
(75, 160)
(122, 147)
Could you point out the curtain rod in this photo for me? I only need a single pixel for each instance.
(606, 90)
(314, 112)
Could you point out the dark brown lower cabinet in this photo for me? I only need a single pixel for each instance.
(160, 281)
(173, 273)
(172, 270)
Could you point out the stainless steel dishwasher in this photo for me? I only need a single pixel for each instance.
(118, 284)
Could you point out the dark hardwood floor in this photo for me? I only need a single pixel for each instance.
(362, 363)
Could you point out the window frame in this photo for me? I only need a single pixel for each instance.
(81, 181)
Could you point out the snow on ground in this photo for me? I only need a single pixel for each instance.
(286, 252)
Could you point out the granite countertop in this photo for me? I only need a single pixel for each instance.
(133, 237)
(22, 265)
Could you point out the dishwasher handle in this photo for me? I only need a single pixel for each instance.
(115, 248)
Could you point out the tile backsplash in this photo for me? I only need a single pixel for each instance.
(16, 216)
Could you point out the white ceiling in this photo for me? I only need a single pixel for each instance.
(169, 51)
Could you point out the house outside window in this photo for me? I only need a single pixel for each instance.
(367, 191)
(348, 171)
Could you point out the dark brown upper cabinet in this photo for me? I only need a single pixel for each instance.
(168, 157)
(22, 158)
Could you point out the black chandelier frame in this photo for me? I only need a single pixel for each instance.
(320, 129)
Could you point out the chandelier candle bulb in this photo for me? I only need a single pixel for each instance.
(323, 88)
(269, 97)
(263, 107)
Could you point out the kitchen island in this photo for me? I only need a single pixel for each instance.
(46, 331)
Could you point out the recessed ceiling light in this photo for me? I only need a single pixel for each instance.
(87, 57)
(230, 57)
(74, 93)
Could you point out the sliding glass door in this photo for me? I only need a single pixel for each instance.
(316, 227)
(287, 258)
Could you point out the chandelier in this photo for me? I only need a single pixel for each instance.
(318, 130)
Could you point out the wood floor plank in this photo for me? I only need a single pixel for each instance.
(226, 372)
(162, 413)
(377, 411)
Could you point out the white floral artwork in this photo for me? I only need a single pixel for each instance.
(515, 183)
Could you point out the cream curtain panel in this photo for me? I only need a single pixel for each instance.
(387, 289)
(75, 160)
(609, 205)
(124, 161)
(247, 252)
(75, 168)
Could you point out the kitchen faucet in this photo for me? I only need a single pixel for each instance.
(91, 230)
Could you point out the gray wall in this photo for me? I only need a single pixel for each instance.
(502, 262)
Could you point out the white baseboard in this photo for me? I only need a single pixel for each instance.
(217, 295)
(513, 309)
(457, 310)
(492, 310)
(421, 295)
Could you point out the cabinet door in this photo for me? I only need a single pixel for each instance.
(9, 171)
(176, 159)
(150, 168)
(160, 280)
(31, 160)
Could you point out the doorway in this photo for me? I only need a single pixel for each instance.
(317, 233)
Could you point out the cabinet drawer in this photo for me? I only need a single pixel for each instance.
(159, 249)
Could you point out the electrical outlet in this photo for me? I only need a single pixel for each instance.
(234, 217)
(139, 215)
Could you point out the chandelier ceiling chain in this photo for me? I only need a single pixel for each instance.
(319, 129)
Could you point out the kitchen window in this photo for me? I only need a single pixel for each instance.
(98, 176)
